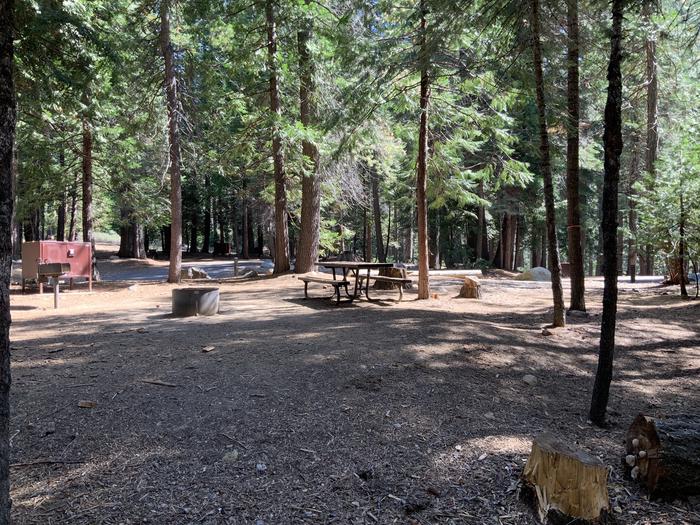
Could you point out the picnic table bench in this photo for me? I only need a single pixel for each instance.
(361, 281)
(400, 282)
(336, 283)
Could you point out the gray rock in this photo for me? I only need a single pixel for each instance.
(535, 274)
(530, 379)
(193, 273)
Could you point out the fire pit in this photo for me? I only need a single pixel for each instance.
(195, 301)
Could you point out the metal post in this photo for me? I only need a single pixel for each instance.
(235, 266)
(55, 292)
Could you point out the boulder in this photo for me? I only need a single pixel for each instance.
(193, 273)
(535, 274)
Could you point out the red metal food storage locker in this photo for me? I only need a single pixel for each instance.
(77, 254)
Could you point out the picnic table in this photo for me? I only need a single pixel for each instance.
(350, 267)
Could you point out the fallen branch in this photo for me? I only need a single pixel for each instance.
(158, 383)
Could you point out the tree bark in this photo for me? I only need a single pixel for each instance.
(681, 248)
(652, 128)
(377, 212)
(7, 140)
(434, 239)
(612, 142)
(632, 216)
(367, 236)
(422, 168)
(61, 208)
(310, 230)
(246, 232)
(553, 244)
(88, 215)
(481, 238)
(166, 48)
(577, 301)
(207, 215)
(281, 215)
(664, 455)
(72, 233)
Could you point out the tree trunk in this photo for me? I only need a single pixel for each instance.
(207, 215)
(620, 241)
(422, 168)
(194, 230)
(632, 217)
(367, 236)
(245, 232)
(652, 125)
(88, 216)
(388, 232)
(481, 240)
(7, 140)
(61, 218)
(612, 143)
(166, 48)
(377, 214)
(572, 163)
(434, 239)
(72, 233)
(132, 243)
(664, 455)
(61, 208)
(310, 230)
(545, 166)
(281, 215)
(261, 240)
(681, 249)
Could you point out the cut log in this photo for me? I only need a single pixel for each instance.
(471, 289)
(389, 272)
(565, 485)
(664, 455)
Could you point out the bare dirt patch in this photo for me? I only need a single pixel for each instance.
(308, 413)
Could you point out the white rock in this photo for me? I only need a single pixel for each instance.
(535, 274)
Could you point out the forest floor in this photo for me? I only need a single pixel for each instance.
(284, 410)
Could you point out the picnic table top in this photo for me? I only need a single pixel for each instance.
(354, 264)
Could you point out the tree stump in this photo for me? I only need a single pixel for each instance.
(565, 485)
(195, 301)
(389, 272)
(471, 289)
(664, 455)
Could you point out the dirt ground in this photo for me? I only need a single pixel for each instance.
(303, 412)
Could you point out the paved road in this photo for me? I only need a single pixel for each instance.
(114, 271)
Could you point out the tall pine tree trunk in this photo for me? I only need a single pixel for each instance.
(572, 163)
(545, 166)
(207, 214)
(310, 231)
(377, 212)
(681, 249)
(7, 139)
(61, 208)
(632, 216)
(612, 143)
(88, 215)
(166, 48)
(652, 125)
(281, 216)
(422, 168)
